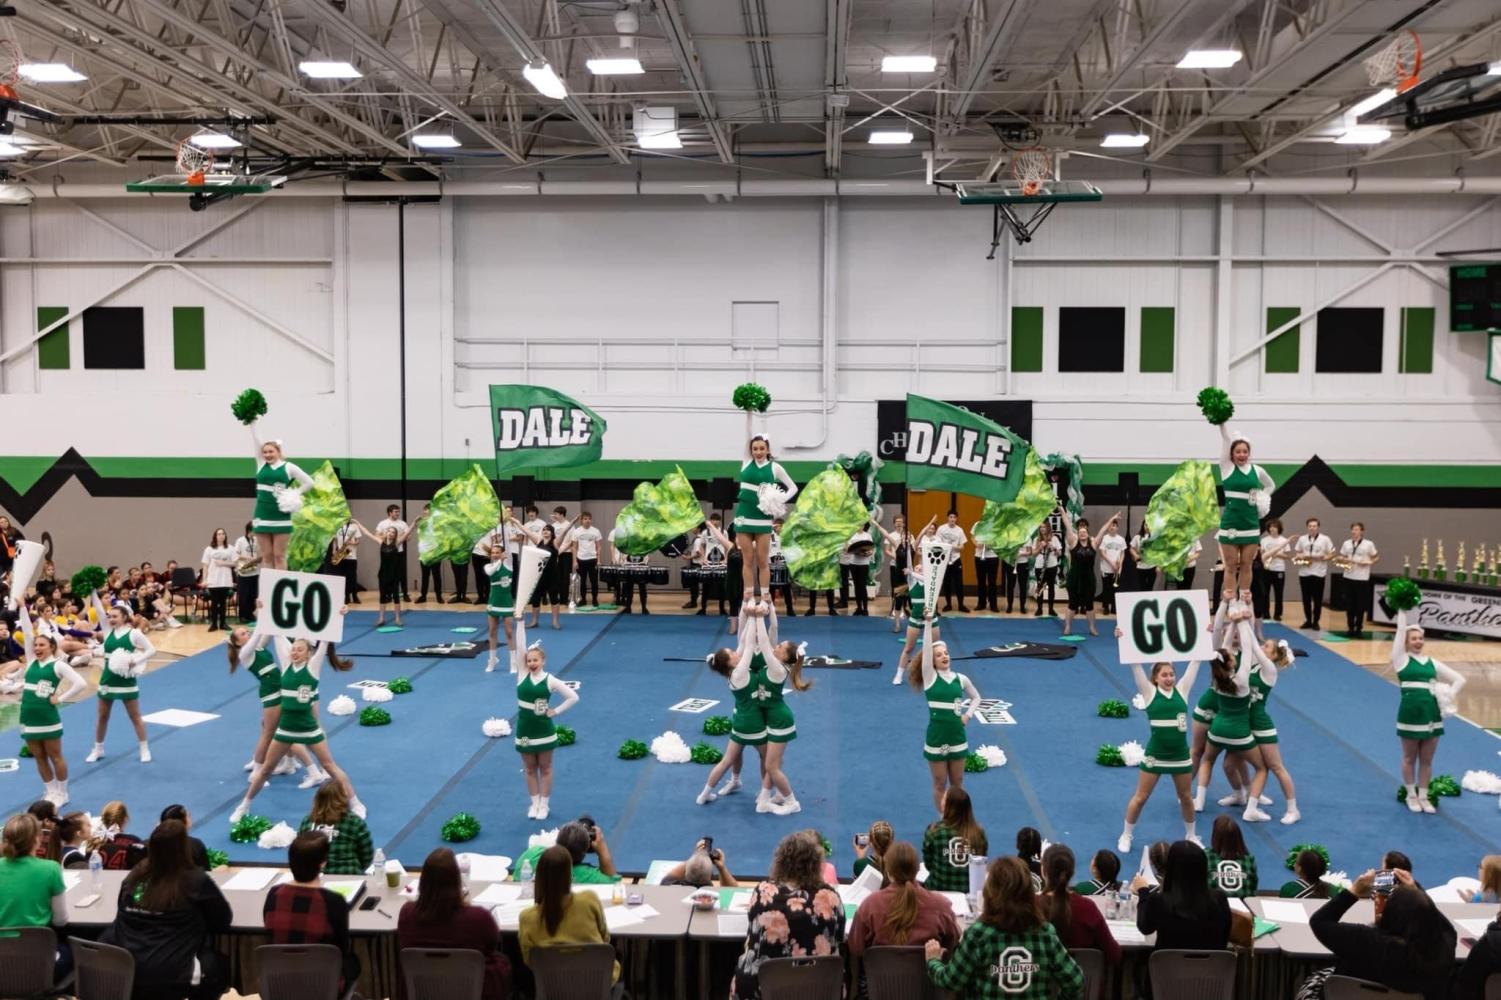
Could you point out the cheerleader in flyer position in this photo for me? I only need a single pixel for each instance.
(752, 518)
(277, 494)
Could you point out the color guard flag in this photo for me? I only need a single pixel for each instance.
(951, 448)
(536, 427)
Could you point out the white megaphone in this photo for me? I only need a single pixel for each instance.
(29, 556)
(529, 576)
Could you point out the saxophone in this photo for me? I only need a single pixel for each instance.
(348, 546)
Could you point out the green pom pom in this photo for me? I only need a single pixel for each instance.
(401, 685)
(25, 750)
(375, 716)
(249, 829)
(828, 848)
(459, 828)
(1110, 708)
(1215, 405)
(703, 753)
(1403, 594)
(566, 737)
(632, 750)
(751, 396)
(1439, 786)
(90, 578)
(1297, 849)
(217, 859)
(1109, 755)
(717, 725)
(974, 763)
(248, 406)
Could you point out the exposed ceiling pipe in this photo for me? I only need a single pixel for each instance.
(820, 188)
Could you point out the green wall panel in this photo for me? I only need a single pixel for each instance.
(52, 350)
(1157, 338)
(1026, 338)
(1282, 353)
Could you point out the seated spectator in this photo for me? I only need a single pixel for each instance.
(1157, 859)
(440, 918)
(1483, 962)
(350, 850)
(870, 853)
(902, 912)
(119, 850)
(1410, 948)
(560, 915)
(705, 867)
(1008, 919)
(1104, 876)
(1309, 867)
(948, 844)
(168, 912)
(32, 893)
(1490, 880)
(579, 839)
(45, 814)
(302, 911)
(195, 846)
(1079, 922)
(1186, 911)
(1396, 860)
(1029, 849)
(73, 833)
(793, 913)
(1232, 869)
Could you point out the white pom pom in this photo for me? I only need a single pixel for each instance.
(1132, 753)
(1483, 782)
(12, 684)
(1340, 879)
(1138, 702)
(545, 839)
(496, 728)
(376, 694)
(669, 748)
(993, 755)
(771, 500)
(279, 836)
(119, 662)
(1445, 695)
(288, 501)
(342, 705)
(1263, 501)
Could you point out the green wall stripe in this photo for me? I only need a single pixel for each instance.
(22, 471)
(1415, 346)
(1026, 338)
(1282, 353)
(52, 351)
(1157, 338)
(187, 338)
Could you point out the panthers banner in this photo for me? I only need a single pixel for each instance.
(536, 427)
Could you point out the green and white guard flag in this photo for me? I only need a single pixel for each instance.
(951, 448)
(535, 428)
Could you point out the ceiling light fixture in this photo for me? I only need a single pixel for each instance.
(1210, 59)
(660, 140)
(50, 73)
(8, 148)
(1371, 103)
(1364, 135)
(436, 140)
(544, 80)
(909, 64)
(214, 140)
(615, 67)
(1125, 140)
(890, 137)
(329, 70)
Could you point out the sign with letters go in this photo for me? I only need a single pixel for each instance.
(302, 605)
(1164, 625)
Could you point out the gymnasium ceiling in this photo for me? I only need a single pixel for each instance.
(777, 86)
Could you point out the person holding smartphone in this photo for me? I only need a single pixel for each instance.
(1409, 948)
(870, 847)
(705, 867)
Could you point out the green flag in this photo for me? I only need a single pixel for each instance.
(536, 428)
(1006, 527)
(657, 513)
(828, 512)
(323, 512)
(459, 513)
(951, 448)
(1182, 510)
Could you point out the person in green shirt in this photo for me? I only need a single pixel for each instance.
(1310, 867)
(350, 849)
(32, 893)
(579, 839)
(1010, 952)
(948, 844)
(1232, 869)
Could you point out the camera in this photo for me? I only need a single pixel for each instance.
(1384, 882)
(588, 821)
(862, 840)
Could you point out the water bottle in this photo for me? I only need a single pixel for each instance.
(1123, 902)
(378, 865)
(526, 870)
(464, 872)
(96, 871)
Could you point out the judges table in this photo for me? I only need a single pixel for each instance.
(661, 919)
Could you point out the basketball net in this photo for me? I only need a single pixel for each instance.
(1032, 167)
(1398, 64)
(10, 68)
(193, 161)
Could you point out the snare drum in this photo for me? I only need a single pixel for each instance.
(702, 574)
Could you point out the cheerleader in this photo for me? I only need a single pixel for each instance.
(1420, 717)
(1246, 487)
(41, 723)
(784, 662)
(1269, 658)
(745, 670)
(301, 663)
(1231, 729)
(248, 649)
(536, 735)
(1203, 717)
(945, 745)
(752, 520)
(500, 608)
(898, 547)
(1081, 558)
(274, 479)
(1167, 752)
(919, 607)
(126, 651)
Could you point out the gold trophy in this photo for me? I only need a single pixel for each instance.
(1490, 570)
(1459, 565)
(1423, 562)
(1407, 566)
(1439, 570)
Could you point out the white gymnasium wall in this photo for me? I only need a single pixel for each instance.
(628, 304)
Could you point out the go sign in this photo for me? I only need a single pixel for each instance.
(1164, 625)
(302, 605)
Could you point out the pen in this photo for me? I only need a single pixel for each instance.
(383, 913)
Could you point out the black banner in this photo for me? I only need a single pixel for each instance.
(891, 421)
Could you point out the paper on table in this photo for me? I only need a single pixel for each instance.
(488, 867)
(1239, 904)
(739, 902)
(1284, 911)
(733, 924)
(1125, 932)
(1447, 894)
(922, 873)
(617, 917)
(1474, 926)
(604, 892)
(71, 880)
(508, 915)
(867, 882)
(958, 901)
(250, 879)
(498, 893)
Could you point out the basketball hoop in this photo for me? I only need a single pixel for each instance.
(1032, 167)
(193, 162)
(1397, 65)
(10, 68)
